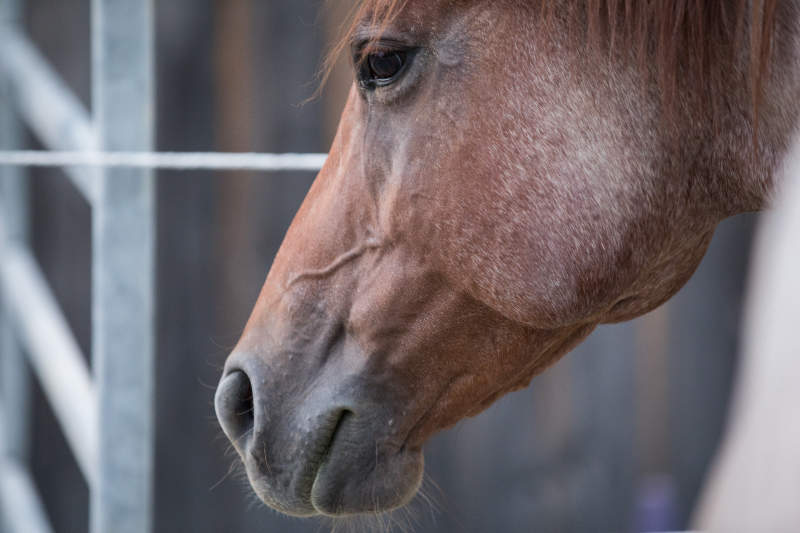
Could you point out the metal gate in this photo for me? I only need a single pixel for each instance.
(106, 411)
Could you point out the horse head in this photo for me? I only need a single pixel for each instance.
(500, 184)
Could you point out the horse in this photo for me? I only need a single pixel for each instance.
(506, 176)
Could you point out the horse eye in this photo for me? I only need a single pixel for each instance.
(385, 65)
(381, 67)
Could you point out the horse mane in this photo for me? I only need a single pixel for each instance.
(682, 36)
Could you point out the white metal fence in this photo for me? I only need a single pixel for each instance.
(106, 411)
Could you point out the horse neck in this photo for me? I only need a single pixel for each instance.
(778, 120)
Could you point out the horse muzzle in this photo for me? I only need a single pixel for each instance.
(310, 448)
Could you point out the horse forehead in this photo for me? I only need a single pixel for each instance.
(437, 15)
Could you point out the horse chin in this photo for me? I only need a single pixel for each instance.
(343, 487)
(355, 476)
(361, 481)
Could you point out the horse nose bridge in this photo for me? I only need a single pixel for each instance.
(290, 364)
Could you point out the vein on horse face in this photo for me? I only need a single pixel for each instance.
(341, 260)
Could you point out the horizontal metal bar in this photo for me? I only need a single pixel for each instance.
(22, 509)
(54, 353)
(166, 160)
(51, 110)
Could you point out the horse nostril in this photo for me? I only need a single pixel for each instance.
(233, 402)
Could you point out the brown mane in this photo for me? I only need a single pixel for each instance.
(681, 36)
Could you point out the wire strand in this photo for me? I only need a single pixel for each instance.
(166, 160)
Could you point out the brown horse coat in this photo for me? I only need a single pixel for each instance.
(503, 180)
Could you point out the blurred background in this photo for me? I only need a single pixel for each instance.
(616, 437)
